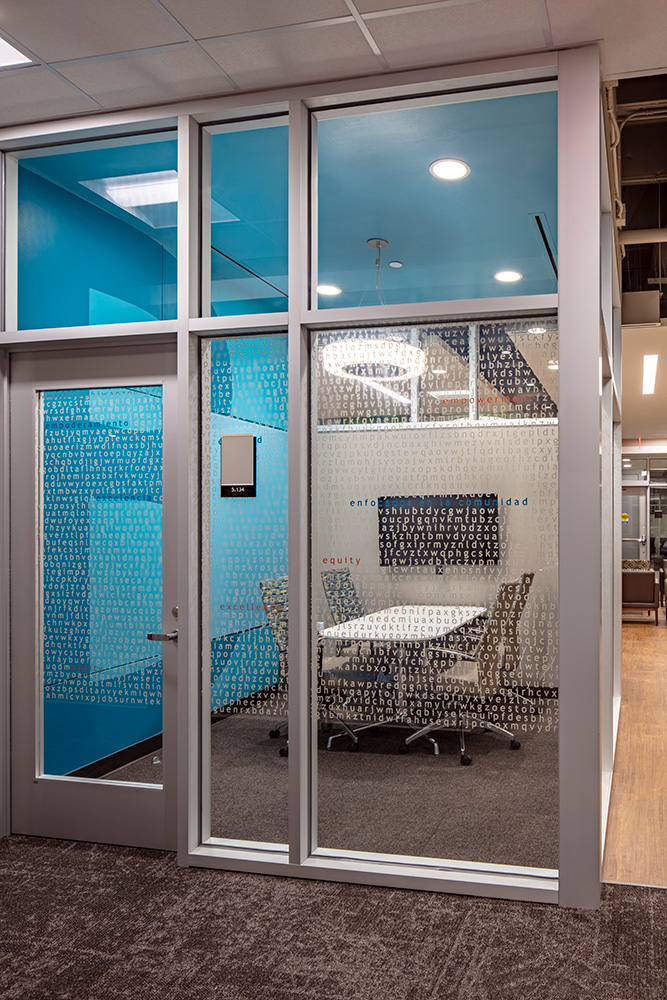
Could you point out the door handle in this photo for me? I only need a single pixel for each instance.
(163, 636)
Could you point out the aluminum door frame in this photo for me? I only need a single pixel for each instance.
(640, 490)
(99, 810)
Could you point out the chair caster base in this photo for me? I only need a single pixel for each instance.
(465, 760)
(353, 748)
(284, 752)
(274, 733)
(404, 748)
(515, 745)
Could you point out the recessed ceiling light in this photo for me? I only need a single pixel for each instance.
(650, 369)
(536, 329)
(328, 290)
(552, 365)
(9, 56)
(449, 170)
(439, 371)
(395, 263)
(508, 276)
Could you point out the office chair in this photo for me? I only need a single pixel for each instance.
(274, 599)
(470, 689)
(343, 601)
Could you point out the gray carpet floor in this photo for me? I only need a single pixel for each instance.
(503, 809)
(88, 922)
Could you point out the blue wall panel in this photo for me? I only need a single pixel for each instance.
(78, 264)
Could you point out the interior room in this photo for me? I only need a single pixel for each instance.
(312, 395)
(333, 498)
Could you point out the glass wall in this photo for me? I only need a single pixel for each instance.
(100, 472)
(244, 575)
(447, 201)
(435, 590)
(247, 235)
(97, 233)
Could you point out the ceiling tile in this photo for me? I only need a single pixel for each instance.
(170, 75)
(370, 6)
(70, 29)
(467, 31)
(634, 33)
(300, 56)
(33, 94)
(209, 18)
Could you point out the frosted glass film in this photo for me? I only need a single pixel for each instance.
(100, 464)
(434, 589)
(244, 574)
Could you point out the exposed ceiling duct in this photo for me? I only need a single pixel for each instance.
(637, 113)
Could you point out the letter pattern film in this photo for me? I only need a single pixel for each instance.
(435, 589)
(244, 574)
(100, 466)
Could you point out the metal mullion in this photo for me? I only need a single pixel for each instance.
(579, 593)
(427, 312)
(187, 533)
(86, 334)
(242, 324)
(10, 244)
(4, 597)
(301, 790)
(206, 235)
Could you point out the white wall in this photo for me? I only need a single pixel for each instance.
(519, 463)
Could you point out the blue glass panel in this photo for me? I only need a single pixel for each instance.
(101, 470)
(449, 237)
(97, 236)
(249, 221)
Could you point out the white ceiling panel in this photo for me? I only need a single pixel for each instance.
(372, 6)
(32, 94)
(454, 34)
(70, 29)
(306, 55)
(169, 75)
(635, 34)
(210, 18)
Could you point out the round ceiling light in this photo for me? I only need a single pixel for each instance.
(380, 360)
(537, 329)
(395, 263)
(508, 276)
(449, 170)
(328, 290)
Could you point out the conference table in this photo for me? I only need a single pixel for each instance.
(408, 627)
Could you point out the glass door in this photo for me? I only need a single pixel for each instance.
(658, 522)
(94, 621)
(633, 517)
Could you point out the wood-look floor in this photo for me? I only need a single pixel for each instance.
(636, 845)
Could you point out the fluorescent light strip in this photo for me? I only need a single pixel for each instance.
(650, 369)
(382, 388)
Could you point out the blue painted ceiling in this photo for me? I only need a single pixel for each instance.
(373, 181)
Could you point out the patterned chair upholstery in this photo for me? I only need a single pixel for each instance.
(341, 594)
(635, 564)
(343, 601)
